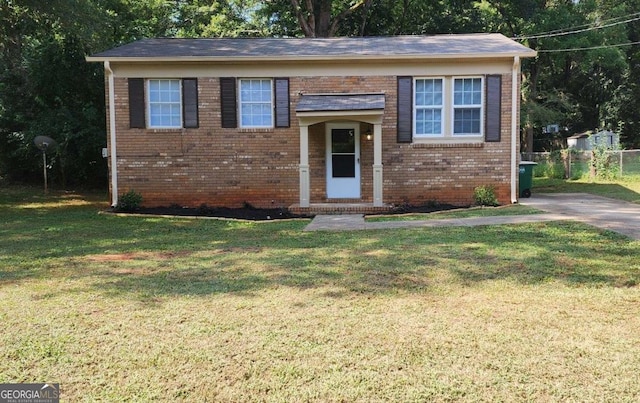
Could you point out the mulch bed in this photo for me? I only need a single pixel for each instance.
(263, 214)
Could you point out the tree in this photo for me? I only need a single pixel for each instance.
(46, 87)
(312, 18)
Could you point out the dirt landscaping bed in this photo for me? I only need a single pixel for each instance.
(262, 214)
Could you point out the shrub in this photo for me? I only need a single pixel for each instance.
(129, 201)
(485, 196)
(604, 163)
(540, 170)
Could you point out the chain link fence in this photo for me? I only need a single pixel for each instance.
(571, 164)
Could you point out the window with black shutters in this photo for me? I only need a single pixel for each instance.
(449, 109)
(163, 103)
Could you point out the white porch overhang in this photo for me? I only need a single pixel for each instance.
(318, 108)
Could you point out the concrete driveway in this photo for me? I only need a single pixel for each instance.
(602, 212)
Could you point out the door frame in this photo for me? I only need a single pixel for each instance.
(342, 188)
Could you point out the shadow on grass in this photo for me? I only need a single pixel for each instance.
(150, 258)
(247, 260)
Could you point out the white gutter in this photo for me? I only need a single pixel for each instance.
(310, 58)
(112, 134)
(515, 101)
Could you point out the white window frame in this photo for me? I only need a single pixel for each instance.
(430, 107)
(149, 103)
(479, 106)
(242, 103)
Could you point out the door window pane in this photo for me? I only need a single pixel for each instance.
(343, 166)
(343, 141)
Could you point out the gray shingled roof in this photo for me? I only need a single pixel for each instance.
(340, 102)
(469, 45)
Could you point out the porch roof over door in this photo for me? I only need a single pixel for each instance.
(340, 102)
(316, 108)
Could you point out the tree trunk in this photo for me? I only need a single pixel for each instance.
(315, 18)
(323, 18)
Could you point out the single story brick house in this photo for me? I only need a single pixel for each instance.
(314, 122)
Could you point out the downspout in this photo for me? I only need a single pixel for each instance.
(515, 98)
(112, 134)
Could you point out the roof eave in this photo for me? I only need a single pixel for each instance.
(446, 56)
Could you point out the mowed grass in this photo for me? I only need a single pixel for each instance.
(479, 211)
(153, 309)
(626, 188)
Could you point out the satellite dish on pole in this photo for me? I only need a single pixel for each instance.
(45, 144)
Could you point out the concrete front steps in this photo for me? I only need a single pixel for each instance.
(339, 208)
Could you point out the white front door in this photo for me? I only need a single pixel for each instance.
(343, 160)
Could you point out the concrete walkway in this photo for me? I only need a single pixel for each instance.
(602, 212)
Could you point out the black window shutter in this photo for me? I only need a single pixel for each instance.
(190, 102)
(228, 102)
(282, 102)
(493, 107)
(405, 109)
(136, 103)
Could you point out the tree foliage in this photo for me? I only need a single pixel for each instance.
(46, 87)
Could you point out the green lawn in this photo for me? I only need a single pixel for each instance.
(153, 309)
(627, 188)
(483, 211)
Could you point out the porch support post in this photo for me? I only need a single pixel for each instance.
(305, 182)
(377, 165)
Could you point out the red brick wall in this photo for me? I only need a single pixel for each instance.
(232, 166)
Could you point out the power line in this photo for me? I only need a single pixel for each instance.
(618, 45)
(579, 29)
(579, 26)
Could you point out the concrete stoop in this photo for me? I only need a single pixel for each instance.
(339, 208)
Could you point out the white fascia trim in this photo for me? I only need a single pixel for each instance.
(443, 56)
(112, 131)
(515, 98)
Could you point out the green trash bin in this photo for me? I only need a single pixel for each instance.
(525, 178)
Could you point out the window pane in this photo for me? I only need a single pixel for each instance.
(164, 105)
(266, 96)
(343, 166)
(466, 121)
(428, 92)
(256, 103)
(245, 95)
(477, 98)
(467, 91)
(428, 121)
(175, 96)
(428, 86)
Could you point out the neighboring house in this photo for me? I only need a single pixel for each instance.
(300, 122)
(586, 141)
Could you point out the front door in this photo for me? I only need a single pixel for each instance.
(343, 160)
